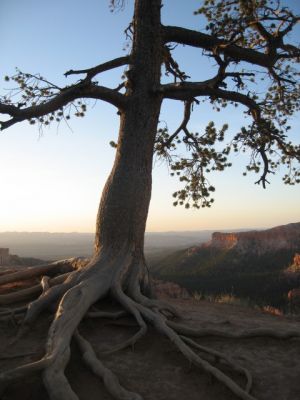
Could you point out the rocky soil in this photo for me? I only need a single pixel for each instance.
(155, 369)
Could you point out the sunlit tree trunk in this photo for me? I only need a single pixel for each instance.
(125, 199)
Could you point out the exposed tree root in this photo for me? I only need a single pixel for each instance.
(155, 304)
(246, 334)
(110, 380)
(74, 293)
(61, 266)
(129, 305)
(221, 356)
(160, 324)
(24, 294)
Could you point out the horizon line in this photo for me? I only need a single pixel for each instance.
(167, 231)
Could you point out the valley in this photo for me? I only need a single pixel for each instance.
(260, 266)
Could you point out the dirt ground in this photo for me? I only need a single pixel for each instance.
(158, 371)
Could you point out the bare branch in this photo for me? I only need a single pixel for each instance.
(288, 29)
(183, 125)
(208, 42)
(91, 72)
(172, 66)
(237, 53)
(266, 170)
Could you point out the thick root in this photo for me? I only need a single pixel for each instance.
(94, 284)
(54, 378)
(60, 267)
(135, 292)
(24, 294)
(129, 305)
(159, 305)
(49, 297)
(78, 291)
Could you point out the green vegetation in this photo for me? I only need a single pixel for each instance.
(213, 272)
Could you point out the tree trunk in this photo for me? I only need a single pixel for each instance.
(125, 199)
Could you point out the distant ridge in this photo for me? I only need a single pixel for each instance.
(248, 264)
(274, 239)
(47, 245)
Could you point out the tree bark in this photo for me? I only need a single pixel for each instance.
(123, 209)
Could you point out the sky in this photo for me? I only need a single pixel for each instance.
(53, 181)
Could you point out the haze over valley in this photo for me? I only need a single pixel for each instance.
(258, 265)
(52, 246)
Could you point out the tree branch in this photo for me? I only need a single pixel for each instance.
(91, 72)
(266, 171)
(172, 66)
(65, 96)
(183, 125)
(208, 42)
(290, 26)
(189, 90)
(237, 53)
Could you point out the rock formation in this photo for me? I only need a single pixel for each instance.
(285, 237)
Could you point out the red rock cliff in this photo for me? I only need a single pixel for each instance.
(280, 237)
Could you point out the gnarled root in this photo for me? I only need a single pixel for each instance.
(117, 276)
(110, 380)
(61, 266)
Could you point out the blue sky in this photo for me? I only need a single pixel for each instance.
(53, 182)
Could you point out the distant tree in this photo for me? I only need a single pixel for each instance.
(255, 68)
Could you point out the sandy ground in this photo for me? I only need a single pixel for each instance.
(155, 369)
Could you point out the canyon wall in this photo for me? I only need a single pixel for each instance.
(286, 237)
